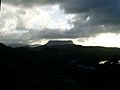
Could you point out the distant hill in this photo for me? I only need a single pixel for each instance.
(17, 45)
(2, 45)
(14, 45)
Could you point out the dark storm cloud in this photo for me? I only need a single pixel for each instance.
(99, 16)
(100, 11)
(76, 6)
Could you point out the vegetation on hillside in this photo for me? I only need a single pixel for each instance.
(68, 67)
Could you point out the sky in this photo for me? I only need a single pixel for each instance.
(86, 22)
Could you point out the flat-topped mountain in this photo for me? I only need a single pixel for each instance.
(59, 43)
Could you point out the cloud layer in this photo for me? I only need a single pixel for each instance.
(32, 20)
(100, 11)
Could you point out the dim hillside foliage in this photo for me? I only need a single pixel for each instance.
(69, 67)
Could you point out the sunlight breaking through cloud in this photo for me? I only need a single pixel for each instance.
(105, 39)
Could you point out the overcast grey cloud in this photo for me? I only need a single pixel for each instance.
(91, 17)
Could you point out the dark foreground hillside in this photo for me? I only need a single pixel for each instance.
(67, 67)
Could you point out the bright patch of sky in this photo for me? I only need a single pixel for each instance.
(105, 39)
(36, 18)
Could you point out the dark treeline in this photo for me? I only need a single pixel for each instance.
(69, 67)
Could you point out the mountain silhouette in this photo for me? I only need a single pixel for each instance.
(2, 45)
(70, 67)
